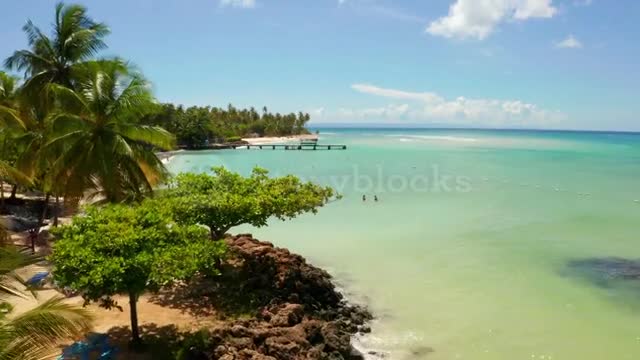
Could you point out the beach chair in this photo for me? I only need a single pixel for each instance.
(38, 279)
(100, 343)
(77, 350)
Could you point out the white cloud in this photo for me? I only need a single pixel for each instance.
(244, 4)
(478, 18)
(389, 112)
(396, 94)
(318, 112)
(569, 43)
(429, 106)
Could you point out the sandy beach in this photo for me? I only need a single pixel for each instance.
(280, 139)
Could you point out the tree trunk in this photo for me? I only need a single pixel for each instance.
(40, 222)
(218, 234)
(135, 332)
(43, 216)
(14, 190)
(56, 209)
(2, 207)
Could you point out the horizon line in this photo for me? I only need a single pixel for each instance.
(449, 127)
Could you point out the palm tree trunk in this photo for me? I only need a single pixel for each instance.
(55, 211)
(2, 205)
(44, 210)
(40, 222)
(135, 332)
(14, 190)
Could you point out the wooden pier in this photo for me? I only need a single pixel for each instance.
(290, 147)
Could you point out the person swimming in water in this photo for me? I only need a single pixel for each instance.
(364, 197)
(375, 198)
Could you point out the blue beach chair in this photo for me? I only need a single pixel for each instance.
(100, 343)
(78, 349)
(37, 279)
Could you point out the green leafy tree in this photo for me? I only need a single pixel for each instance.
(128, 250)
(76, 39)
(106, 148)
(226, 199)
(36, 333)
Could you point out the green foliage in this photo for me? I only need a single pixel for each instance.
(106, 149)
(36, 333)
(54, 59)
(233, 139)
(78, 118)
(121, 249)
(195, 125)
(225, 199)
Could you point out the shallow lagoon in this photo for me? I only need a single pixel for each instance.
(468, 253)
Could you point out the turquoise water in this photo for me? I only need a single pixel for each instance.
(466, 254)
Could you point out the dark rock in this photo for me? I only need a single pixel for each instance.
(240, 343)
(422, 351)
(364, 329)
(282, 348)
(241, 331)
(300, 315)
(335, 339)
(219, 351)
(289, 315)
(355, 354)
(334, 355)
(609, 268)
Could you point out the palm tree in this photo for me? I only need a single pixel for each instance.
(11, 121)
(36, 333)
(106, 147)
(76, 39)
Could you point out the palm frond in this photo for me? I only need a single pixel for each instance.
(11, 118)
(152, 135)
(69, 100)
(9, 172)
(36, 333)
(12, 258)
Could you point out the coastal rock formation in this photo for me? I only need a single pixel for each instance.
(306, 318)
(609, 268)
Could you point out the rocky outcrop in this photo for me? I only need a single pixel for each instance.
(306, 318)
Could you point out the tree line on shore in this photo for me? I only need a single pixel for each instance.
(197, 126)
(79, 126)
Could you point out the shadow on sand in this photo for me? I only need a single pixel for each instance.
(226, 296)
(159, 342)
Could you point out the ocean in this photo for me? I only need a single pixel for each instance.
(483, 244)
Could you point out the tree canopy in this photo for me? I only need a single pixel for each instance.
(77, 117)
(196, 125)
(106, 148)
(75, 39)
(226, 199)
(121, 249)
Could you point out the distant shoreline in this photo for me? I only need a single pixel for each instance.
(166, 156)
(267, 140)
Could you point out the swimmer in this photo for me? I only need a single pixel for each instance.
(364, 197)
(375, 198)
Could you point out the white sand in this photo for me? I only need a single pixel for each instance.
(280, 140)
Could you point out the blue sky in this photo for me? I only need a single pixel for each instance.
(500, 63)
